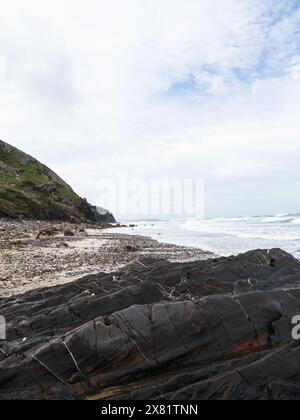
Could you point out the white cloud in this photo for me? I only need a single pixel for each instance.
(173, 87)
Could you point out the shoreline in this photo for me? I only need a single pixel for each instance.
(43, 254)
(156, 321)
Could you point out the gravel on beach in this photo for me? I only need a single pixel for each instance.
(42, 254)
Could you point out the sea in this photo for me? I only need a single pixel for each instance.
(225, 236)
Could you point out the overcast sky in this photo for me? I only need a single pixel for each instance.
(162, 88)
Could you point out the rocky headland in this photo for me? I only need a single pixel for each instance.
(30, 190)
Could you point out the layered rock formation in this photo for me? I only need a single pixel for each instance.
(30, 190)
(215, 329)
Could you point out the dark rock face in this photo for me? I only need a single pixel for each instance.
(216, 329)
(30, 190)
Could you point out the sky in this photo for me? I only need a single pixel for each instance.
(161, 89)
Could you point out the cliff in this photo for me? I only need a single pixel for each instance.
(30, 190)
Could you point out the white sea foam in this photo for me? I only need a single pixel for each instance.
(279, 218)
(227, 236)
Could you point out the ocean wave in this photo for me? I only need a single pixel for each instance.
(227, 236)
(268, 228)
(277, 219)
(232, 221)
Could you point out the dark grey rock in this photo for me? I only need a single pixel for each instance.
(158, 330)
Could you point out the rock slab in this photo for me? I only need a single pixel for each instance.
(209, 330)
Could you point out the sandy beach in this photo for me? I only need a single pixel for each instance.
(43, 254)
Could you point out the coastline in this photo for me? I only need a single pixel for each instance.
(43, 254)
(217, 329)
(100, 315)
(226, 236)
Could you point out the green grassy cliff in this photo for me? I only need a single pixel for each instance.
(30, 190)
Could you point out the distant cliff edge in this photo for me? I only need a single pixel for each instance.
(30, 190)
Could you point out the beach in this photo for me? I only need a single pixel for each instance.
(42, 254)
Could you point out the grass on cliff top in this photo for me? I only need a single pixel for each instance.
(16, 169)
(6, 177)
(13, 159)
(19, 173)
(33, 173)
(25, 182)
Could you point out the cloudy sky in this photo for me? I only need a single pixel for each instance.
(161, 88)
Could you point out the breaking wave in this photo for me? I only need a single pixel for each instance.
(228, 236)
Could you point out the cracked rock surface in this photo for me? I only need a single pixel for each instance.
(214, 329)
